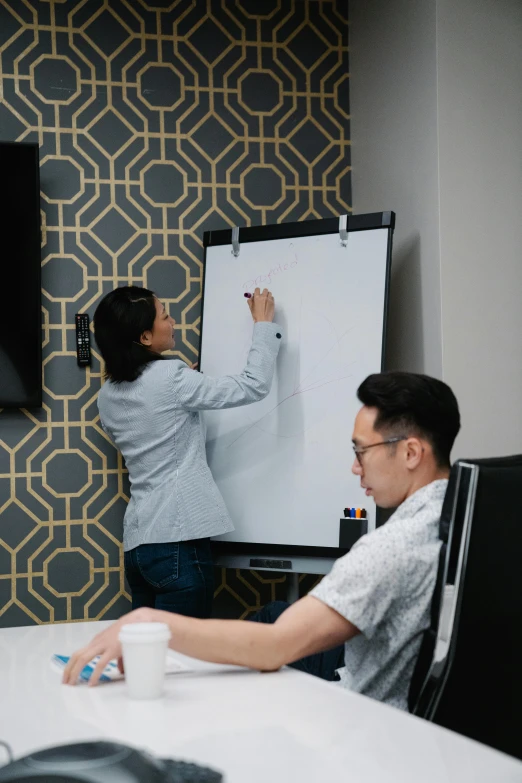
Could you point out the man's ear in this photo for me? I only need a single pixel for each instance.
(414, 452)
(146, 338)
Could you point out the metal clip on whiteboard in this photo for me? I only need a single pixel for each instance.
(343, 232)
(235, 241)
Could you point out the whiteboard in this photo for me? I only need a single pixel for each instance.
(283, 465)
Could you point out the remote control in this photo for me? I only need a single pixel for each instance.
(83, 340)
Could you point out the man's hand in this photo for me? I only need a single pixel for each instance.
(105, 644)
(306, 627)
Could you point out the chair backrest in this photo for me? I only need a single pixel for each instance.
(425, 679)
(473, 682)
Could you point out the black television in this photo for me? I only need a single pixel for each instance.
(20, 276)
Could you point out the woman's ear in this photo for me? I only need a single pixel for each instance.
(146, 338)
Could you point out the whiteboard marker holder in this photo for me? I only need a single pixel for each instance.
(351, 530)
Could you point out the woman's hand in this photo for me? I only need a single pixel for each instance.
(105, 644)
(261, 305)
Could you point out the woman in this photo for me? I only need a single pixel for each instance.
(149, 407)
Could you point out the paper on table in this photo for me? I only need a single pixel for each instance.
(111, 671)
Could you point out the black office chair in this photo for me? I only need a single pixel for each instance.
(468, 676)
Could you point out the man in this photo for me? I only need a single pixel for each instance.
(376, 600)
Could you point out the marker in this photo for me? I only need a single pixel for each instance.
(352, 513)
(346, 512)
(363, 513)
(358, 513)
(248, 296)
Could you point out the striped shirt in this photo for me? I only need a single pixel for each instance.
(155, 422)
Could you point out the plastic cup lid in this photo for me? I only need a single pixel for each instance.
(144, 632)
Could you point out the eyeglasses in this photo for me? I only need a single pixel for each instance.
(359, 450)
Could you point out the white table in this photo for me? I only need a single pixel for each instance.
(260, 728)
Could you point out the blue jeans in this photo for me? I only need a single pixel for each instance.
(321, 664)
(176, 576)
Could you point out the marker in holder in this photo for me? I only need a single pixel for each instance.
(352, 527)
(355, 513)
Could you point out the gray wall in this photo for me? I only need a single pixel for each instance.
(436, 103)
(480, 143)
(393, 97)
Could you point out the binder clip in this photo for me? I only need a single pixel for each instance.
(235, 241)
(343, 232)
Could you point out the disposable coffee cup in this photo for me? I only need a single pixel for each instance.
(144, 647)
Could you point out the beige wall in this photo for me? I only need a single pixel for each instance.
(437, 135)
(480, 144)
(393, 97)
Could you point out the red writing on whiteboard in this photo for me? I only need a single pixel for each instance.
(266, 279)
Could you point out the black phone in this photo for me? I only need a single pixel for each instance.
(103, 762)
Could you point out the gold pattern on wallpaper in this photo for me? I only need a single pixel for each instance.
(155, 122)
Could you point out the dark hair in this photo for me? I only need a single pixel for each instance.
(413, 404)
(119, 321)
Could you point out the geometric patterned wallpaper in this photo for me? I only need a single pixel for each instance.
(156, 120)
